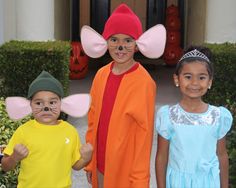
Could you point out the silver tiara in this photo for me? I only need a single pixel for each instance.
(194, 54)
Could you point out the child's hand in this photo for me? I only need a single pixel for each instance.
(86, 152)
(19, 153)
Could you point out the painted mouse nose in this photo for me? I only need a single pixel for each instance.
(46, 109)
(120, 48)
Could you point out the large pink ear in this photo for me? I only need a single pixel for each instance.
(17, 107)
(76, 105)
(152, 42)
(94, 45)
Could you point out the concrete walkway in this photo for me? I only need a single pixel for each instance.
(167, 93)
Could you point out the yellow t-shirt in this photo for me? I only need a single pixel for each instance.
(53, 149)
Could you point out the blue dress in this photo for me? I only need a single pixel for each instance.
(193, 137)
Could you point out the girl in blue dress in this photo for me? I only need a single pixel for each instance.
(191, 149)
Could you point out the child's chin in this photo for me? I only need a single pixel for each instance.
(47, 121)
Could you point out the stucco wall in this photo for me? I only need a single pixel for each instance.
(221, 21)
(195, 21)
(62, 24)
(1, 22)
(205, 20)
(138, 6)
(9, 20)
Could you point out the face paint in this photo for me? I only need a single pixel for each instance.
(126, 43)
(120, 48)
(46, 107)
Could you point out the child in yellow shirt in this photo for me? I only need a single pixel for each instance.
(45, 147)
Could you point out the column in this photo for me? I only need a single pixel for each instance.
(35, 20)
(220, 21)
(1, 22)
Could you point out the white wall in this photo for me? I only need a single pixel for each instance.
(220, 21)
(1, 22)
(8, 19)
(35, 20)
(40, 23)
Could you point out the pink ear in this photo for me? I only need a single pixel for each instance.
(17, 107)
(93, 43)
(76, 105)
(152, 42)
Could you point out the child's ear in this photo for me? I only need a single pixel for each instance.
(152, 42)
(94, 45)
(210, 83)
(176, 80)
(17, 107)
(76, 105)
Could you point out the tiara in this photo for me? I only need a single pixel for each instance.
(194, 54)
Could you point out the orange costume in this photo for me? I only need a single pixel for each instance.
(130, 132)
(121, 115)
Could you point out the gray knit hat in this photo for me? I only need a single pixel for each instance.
(45, 82)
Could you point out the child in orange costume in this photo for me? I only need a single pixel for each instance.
(123, 101)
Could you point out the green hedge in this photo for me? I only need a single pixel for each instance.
(7, 128)
(223, 93)
(22, 61)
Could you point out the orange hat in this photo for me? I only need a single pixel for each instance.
(123, 21)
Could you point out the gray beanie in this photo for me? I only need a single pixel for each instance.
(45, 82)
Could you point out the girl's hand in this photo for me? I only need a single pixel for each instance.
(19, 152)
(86, 152)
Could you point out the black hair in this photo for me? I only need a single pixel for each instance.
(206, 51)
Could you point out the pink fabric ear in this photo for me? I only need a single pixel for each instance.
(94, 45)
(152, 42)
(17, 107)
(76, 105)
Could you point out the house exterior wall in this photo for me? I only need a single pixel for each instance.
(23, 20)
(195, 21)
(62, 25)
(84, 12)
(220, 21)
(9, 20)
(138, 6)
(35, 20)
(204, 19)
(1, 23)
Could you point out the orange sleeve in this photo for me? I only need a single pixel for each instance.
(91, 117)
(140, 174)
(99, 82)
